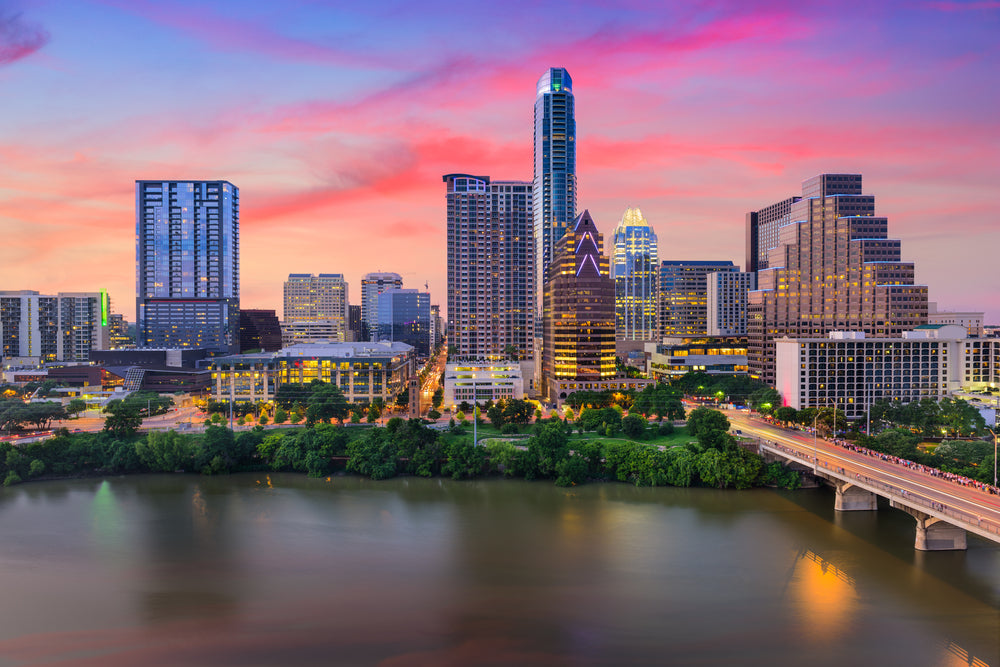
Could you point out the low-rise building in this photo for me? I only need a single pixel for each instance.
(850, 371)
(481, 381)
(675, 357)
(363, 371)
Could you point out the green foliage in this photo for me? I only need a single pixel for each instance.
(463, 459)
(665, 428)
(659, 400)
(280, 416)
(786, 414)
(12, 478)
(775, 474)
(571, 471)
(165, 451)
(36, 468)
(373, 455)
(438, 398)
(896, 442)
(123, 419)
(76, 406)
(634, 426)
(705, 423)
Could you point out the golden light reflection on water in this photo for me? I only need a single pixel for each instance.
(824, 596)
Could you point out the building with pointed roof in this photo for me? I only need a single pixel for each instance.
(634, 268)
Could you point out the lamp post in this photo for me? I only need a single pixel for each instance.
(815, 442)
(994, 455)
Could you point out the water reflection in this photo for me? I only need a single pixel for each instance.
(282, 569)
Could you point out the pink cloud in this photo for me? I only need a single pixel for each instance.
(18, 39)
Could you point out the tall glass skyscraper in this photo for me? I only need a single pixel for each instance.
(187, 255)
(554, 186)
(634, 267)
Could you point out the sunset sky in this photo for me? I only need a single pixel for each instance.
(336, 120)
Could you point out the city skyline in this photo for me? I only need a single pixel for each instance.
(337, 133)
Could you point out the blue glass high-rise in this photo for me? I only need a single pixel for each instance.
(187, 253)
(554, 187)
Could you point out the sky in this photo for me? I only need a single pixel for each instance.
(337, 121)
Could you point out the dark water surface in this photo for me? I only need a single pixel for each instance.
(285, 570)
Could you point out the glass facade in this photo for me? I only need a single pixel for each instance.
(554, 186)
(684, 296)
(187, 264)
(634, 269)
(404, 316)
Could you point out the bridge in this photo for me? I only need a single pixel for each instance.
(945, 508)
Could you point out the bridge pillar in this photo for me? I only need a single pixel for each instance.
(852, 498)
(934, 534)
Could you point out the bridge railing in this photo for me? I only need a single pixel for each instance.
(915, 500)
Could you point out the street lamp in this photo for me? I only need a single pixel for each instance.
(994, 455)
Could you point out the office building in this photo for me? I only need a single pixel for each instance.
(356, 332)
(437, 332)
(684, 295)
(373, 284)
(363, 371)
(404, 316)
(727, 302)
(554, 183)
(61, 327)
(259, 330)
(491, 292)
(675, 357)
(188, 264)
(310, 298)
(834, 269)
(119, 335)
(634, 268)
(578, 351)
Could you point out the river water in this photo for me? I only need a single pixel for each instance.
(278, 569)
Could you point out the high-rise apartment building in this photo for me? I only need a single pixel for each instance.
(579, 312)
(635, 268)
(834, 269)
(63, 327)
(684, 295)
(318, 299)
(373, 284)
(554, 185)
(491, 290)
(119, 336)
(727, 302)
(404, 316)
(187, 264)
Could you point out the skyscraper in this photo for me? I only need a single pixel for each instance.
(187, 264)
(834, 269)
(373, 284)
(727, 302)
(491, 295)
(554, 186)
(684, 295)
(579, 313)
(634, 267)
(259, 330)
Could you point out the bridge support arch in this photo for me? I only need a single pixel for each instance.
(852, 498)
(934, 534)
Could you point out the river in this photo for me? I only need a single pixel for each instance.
(278, 569)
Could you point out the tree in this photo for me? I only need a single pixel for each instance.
(374, 454)
(511, 353)
(702, 420)
(433, 414)
(438, 398)
(897, 442)
(403, 397)
(518, 411)
(280, 416)
(496, 416)
(373, 413)
(634, 426)
(549, 446)
(123, 420)
(786, 414)
(165, 451)
(76, 406)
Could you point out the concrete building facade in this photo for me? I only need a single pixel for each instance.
(482, 380)
(373, 284)
(491, 266)
(727, 302)
(684, 295)
(61, 327)
(834, 269)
